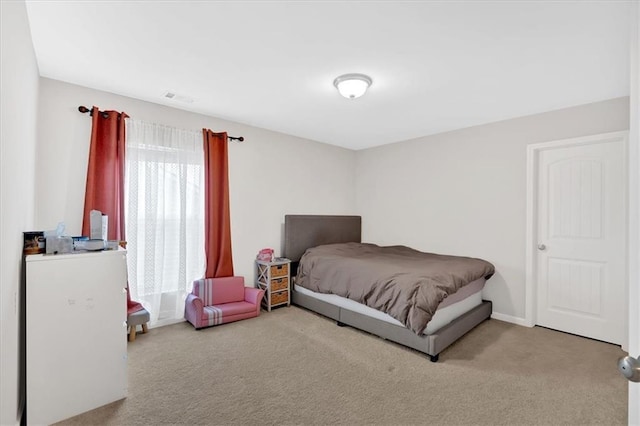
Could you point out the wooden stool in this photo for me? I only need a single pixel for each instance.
(140, 317)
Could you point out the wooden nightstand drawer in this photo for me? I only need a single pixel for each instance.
(281, 297)
(280, 270)
(279, 284)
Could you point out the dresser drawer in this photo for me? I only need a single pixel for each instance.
(279, 284)
(280, 270)
(281, 297)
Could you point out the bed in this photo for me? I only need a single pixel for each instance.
(455, 316)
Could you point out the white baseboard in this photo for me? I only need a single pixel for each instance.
(163, 322)
(508, 318)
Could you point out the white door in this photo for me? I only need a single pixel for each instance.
(581, 237)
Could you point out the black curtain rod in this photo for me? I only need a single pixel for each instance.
(83, 109)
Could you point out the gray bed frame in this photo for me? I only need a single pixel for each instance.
(305, 231)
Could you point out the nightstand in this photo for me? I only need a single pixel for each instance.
(273, 278)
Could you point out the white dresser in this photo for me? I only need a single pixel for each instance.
(76, 338)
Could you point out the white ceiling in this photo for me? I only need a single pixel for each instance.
(436, 66)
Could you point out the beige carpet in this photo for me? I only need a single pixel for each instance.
(291, 366)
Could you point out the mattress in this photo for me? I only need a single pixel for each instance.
(465, 299)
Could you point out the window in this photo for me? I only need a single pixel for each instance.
(164, 216)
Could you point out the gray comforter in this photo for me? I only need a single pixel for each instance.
(405, 283)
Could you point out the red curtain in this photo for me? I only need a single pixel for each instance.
(105, 173)
(217, 222)
(105, 177)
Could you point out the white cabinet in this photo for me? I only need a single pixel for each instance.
(76, 338)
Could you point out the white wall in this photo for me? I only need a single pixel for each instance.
(271, 174)
(19, 88)
(463, 192)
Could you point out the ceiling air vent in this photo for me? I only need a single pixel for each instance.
(178, 98)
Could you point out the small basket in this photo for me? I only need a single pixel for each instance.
(278, 298)
(280, 270)
(279, 284)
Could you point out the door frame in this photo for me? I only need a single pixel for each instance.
(531, 252)
(634, 210)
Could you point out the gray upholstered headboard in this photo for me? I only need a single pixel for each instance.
(304, 231)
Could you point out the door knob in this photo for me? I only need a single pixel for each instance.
(630, 368)
(542, 247)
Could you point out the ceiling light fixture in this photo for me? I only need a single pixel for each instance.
(352, 86)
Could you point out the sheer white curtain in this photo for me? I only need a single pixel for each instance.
(164, 216)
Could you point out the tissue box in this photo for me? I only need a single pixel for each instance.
(59, 245)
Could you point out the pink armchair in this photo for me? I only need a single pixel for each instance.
(215, 301)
